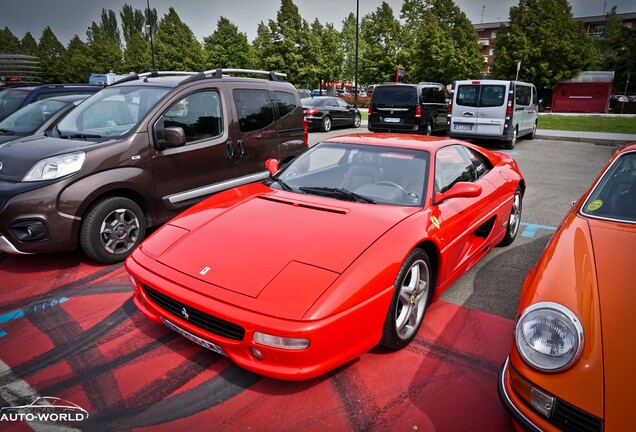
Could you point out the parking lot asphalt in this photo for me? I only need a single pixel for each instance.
(68, 329)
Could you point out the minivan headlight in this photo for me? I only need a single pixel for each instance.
(56, 167)
(549, 337)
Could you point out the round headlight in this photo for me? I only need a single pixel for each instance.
(549, 337)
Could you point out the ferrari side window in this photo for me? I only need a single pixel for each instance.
(452, 166)
(481, 163)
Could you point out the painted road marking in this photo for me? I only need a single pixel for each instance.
(530, 230)
(10, 316)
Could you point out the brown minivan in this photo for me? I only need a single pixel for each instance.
(138, 152)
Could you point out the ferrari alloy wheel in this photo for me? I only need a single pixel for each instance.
(325, 126)
(413, 291)
(514, 220)
(111, 229)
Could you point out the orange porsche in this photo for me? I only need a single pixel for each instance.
(571, 365)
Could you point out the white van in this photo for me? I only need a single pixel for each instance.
(493, 110)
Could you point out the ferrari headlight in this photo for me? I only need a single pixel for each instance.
(549, 337)
(56, 167)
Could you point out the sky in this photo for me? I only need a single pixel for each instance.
(68, 18)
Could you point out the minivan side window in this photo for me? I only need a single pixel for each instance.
(433, 95)
(523, 95)
(198, 114)
(254, 109)
(286, 103)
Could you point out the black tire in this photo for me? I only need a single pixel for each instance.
(534, 132)
(356, 121)
(410, 301)
(513, 141)
(112, 229)
(325, 125)
(428, 129)
(514, 220)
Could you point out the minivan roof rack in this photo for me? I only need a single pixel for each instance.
(220, 73)
(431, 83)
(153, 74)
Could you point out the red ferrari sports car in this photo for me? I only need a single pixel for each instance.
(339, 251)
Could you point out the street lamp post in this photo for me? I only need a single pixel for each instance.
(357, 85)
(152, 47)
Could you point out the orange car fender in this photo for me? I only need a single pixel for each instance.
(566, 275)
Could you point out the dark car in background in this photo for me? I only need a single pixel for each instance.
(409, 108)
(325, 112)
(13, 99)
(38, 117)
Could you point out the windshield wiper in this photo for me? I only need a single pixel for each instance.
(339, 193)
(80, 135)
(7, 131)
(284, 185)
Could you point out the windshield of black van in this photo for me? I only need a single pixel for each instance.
(481, 95)
(396, 95)
(111, 112)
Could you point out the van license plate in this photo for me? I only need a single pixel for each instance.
(391, 120)
(462, 126)
(196, 339)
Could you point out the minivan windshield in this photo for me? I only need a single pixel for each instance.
(11, 100)
(396, 95)
(111, 112)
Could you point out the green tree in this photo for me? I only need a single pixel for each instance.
(51, 52)
(618, 49)
(267, 56)
(443, 45)
(133, 21)
(29, 45)
(106, 55)
(227, 47)
(348, 47)
(176, 47)
(9, 43)
(548, 42)
(79, 63)
(137, 56)
(382, 47)
(110, 27)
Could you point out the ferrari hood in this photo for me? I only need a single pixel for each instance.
(264, 238)
(614, 246)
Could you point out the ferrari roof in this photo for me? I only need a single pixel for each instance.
(394, 140)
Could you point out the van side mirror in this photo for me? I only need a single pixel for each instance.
(459, 190)
(173, 136)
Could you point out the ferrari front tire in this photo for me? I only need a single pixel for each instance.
(514, 219)
(413, 292)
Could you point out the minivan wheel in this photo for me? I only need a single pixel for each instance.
(428, 130)
(111, 229)
(325, 126)
(513, 141)
(534, 131)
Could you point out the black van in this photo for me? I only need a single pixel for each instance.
(409, 108)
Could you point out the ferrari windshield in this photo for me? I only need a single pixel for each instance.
(362, 173)
(614, 197)
(111, 112)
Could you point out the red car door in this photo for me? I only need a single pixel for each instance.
(465, 224)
